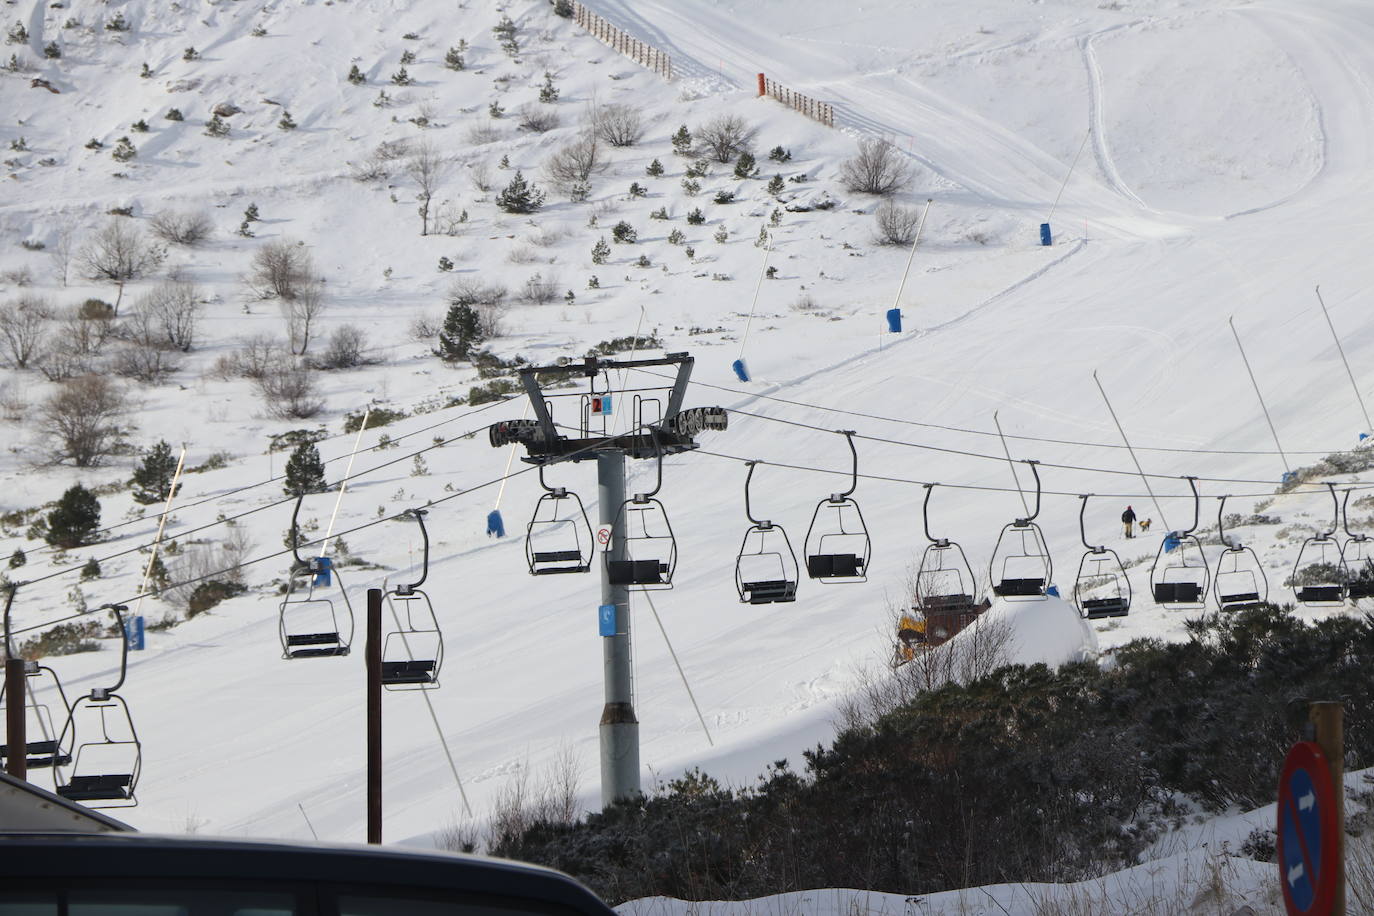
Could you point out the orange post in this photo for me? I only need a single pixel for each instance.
(763, 85)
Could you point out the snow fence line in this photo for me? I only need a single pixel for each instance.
(812, 108)
(642, 53)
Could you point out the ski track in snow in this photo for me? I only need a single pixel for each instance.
(1100, 142)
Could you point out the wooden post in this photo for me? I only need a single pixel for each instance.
(1328, 718)
(374, 715)
(17, 761)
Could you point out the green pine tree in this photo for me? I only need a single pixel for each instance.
(461, 334)
(520, 196)
(75, 521)
(305, 471)
(153, 477)
(682, 141)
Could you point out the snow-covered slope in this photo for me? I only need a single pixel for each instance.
(1226, 171)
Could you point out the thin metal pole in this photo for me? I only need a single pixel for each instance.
(161, 526)
(1082, 146)
(682, 674)
(1368, 426)
(374, 715)
(897, 302)
(1139, 469)
(758, 287)
(1245, 359)
(619, 726)
(1011, 464)
(343, 484)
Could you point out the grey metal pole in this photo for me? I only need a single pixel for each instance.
(619, 726)
(1011, 464)
(1263, 406)
(1138, 468)
(17, 761)
(1368, 426)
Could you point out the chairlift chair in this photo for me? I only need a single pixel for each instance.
(766, 569)
(1102, 576)
(44, 751)
(1319, 575)
(837, 545)
(1179, 576)
(312, 627)
(1240, 580)
(100, 756)
(559, 537)
(1021, 567)
(413, 652)
(649, 550)
(1357, 555)
(945, 589)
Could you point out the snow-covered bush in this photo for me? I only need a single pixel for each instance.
(877, 168)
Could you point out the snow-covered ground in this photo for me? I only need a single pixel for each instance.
(1226, 170)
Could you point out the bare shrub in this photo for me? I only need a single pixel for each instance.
(24, 328)
(347, 349)
(144, 354)
(538, 119)
(368, 168)
(63, 250)
(281, 269)
(523, 254)
(471, 291)
(896, 225)
(391, 150)
(877, 168)
(482, 133)
(459, 836)
(572, 166)
(427, 167)
(252, 359)
(182, 228)
(118, 254)
(61, 363)
(425, 328)
(479, 175)
(619, 125)
(724, 136)
(301, 312)
(289, 391)
(14, 402)
(540, 290)
(174, 308)
(88, 327)
(80, 420)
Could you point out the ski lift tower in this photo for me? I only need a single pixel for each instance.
(658, 426)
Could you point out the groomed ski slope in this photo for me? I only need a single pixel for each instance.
(1227, 172)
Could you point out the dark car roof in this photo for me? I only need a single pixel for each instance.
(142, 855)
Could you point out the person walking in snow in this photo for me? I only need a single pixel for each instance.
(1128, 519)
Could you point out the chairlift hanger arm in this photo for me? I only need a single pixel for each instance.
(1197, 505)
(1023, 522)
(295, 532)
(1335, 511)
(98, 693)
(10, 589)
(925, 518)
(748, 512)
(1345, 517)
(854, 467)
(1221, 525)
(1082, 525)
(419, 516)
(658, 465)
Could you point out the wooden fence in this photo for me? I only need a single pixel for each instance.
(646, 55)
(812, 108)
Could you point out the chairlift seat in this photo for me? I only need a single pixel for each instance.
(1243, 599)
(39, 754)
(769, 591)
(558, 556)
(1019, 588)
(420, 671)
(947, 602)
(1097, 608)
(1178, 593)
(636, 572)
(1323, 594)
(97, 788)
(834, 566)
(312, 639)
(317, 645)
(1360, 589)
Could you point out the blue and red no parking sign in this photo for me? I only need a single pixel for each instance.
(1308, 832)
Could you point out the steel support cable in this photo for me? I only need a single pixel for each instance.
(999, 458)
(289, 551)
(987, 433)
(48, 548)
(247, 512)
(987, 488)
